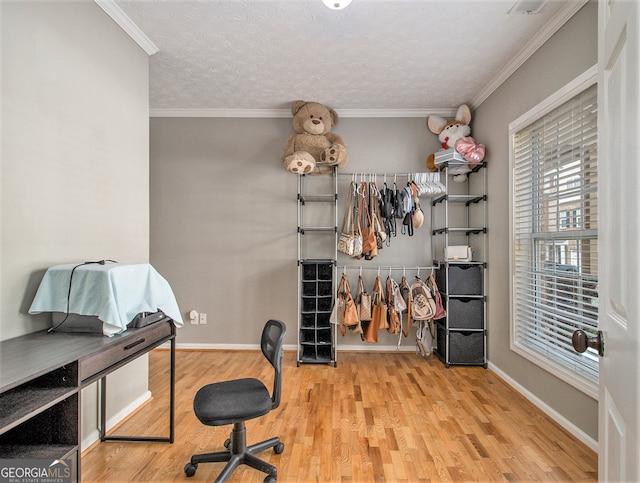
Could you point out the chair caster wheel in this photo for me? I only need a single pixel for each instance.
(270, 479)
(227, 443)
(190, 469)
(278, 448)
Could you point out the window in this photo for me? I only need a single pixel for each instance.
(554, 227)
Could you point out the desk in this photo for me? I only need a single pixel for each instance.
(41, 376)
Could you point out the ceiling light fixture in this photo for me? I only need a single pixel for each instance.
(336, 4)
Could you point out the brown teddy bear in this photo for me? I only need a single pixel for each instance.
(315, 149)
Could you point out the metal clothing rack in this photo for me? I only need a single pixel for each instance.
(381, 269)
(316, 270)
(354, 267)
(383, 175)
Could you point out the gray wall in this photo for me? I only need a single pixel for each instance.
(223, 212)
(74, 158)
(569, 53)
(224, 220)
(75, 184)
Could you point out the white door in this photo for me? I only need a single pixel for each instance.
(619, 238)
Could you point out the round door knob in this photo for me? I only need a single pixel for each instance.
(581, 341)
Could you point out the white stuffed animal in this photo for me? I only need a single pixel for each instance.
(456, 134)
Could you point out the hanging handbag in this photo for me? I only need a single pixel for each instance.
(393, 317)
(371, 331)
(399, 304)
(398, 203)
(424, 337)
(418, 217)
(350, 240)
(407, 209)
(423, 307)
(375, 205)
(363, 301)
(371, 205)
(405, 290)
(388, 204)
(333, 317)
(366, 227)
(350, 317)
(379, 305)
(440, 311)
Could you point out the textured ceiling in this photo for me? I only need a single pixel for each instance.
(374, 55)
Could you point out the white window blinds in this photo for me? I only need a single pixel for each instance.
(555, 237)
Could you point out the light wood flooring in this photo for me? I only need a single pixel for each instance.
(375, 417)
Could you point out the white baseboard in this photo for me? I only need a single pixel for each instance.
(111, 422)
(376, 348)
(548, 410)
(254, 347)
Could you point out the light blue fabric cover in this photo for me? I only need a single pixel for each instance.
(114, 292)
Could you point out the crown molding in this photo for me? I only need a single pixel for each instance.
(170, 112)
(286, 113)
(568, 11)
(126, 24)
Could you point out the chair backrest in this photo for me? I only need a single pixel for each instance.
(272, 347)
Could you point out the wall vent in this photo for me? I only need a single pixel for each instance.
(527, 7)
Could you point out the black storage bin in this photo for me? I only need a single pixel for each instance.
(308, 321)
(310, 271)
(464, 279)
(323, 353)
(325, 304)
(309, 353)
(323, 336)
(325, 288)
(325, 271)
(466, 347)
(323, 320)
(307, 336)
(309, 289)
(465, 313)
(308, 304)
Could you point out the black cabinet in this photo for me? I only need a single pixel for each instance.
(459, 218)
(461, 335)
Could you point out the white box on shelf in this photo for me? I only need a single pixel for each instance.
(450, 156)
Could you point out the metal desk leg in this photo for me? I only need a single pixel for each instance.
(102, 386)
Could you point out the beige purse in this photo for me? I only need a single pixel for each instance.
(457, 253)
(350, 240)
(363, 301)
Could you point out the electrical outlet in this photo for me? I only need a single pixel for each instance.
(203, 319)
(193, 316)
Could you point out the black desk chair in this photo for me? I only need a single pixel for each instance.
(237, 401)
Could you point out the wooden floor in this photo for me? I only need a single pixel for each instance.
(374, 417)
